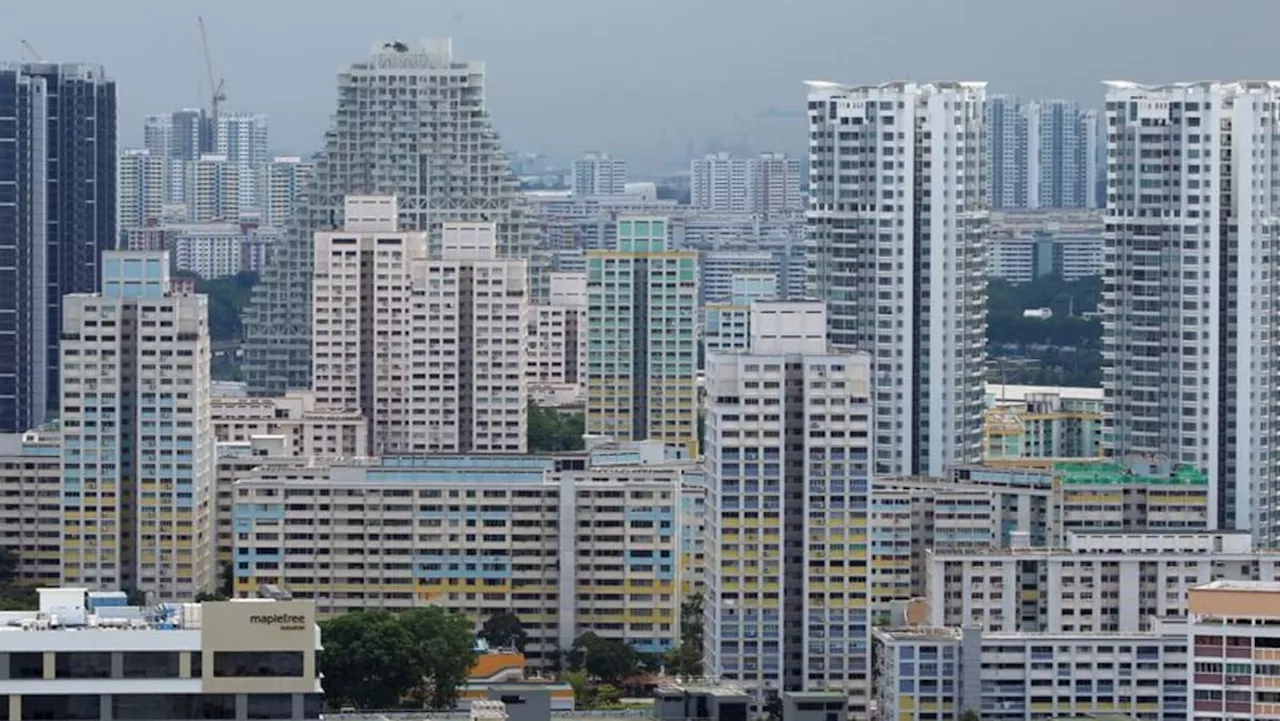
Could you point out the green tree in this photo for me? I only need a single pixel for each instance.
(607, 659)
(583, 692)
(970, 715)
(8, 565)
(227, 299)
(552, 431)
(686, 659)
(227, 581)
(369, 660)
(504, 630)
(207, 596)
(444, 646)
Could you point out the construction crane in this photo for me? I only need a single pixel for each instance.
(32, 52)
(218, 86)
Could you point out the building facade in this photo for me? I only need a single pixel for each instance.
(788, 467)
(765, 185)
(558, 334)
(57, 215)
(642, 301)
(137, 438)
(104, 660)
(281, 185)
(597, 174)
(910, 291)
(140, 189)
(388, 141)
(567, 546)
(929, 672)
(1028, 422)
(310, 430)
(453, 330)
(1235, 650)
(1191, 275)
(1025, 259)
(1098, 582)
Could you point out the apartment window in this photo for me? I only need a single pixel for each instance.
(269, 706)
(26, 665)
(197, 664)
(160, 707)
(82, 665)
(61, 707)
(150, 664)
(240, 664)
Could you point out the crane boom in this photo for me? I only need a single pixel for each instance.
(216, 85)
(32, 51)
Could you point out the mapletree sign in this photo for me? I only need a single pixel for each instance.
(281, 621)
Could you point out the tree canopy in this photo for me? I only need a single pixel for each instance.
(607, 659)
(1065, 349)
(552, 431)
(504, 630)
(686, 659)
(378, 660)
(227, 299)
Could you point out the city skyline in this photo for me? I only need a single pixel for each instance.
(711, 70)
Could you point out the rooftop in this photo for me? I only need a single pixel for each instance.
(1253, 586)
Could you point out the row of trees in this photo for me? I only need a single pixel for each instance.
(419, 658)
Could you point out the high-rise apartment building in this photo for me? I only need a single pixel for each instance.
(1006, 153)
(280, 186)
(1062, 155)
(766, 185)
(1190, 323)
(1041, 154)
(140, 189)
(138, 456)
(430, 351)
(242, 138)
(597, 174)
(410, 123)
(898, 256)
(178, 137)
(363, 317)
(558, 333)
(642, 347)
(477, 309)
(57, 215)
(788, 445)
(213, 189)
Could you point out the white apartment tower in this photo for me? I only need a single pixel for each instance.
(787, 462)
(430, 351)
(281, 184)
(598, 174)
(1190, 326)
(138, 449)
(242, 138)
(363, 320)
(410, 122)
(140, 188)
(896, 220)
(558, 333)
(476, 310)
(765, 185)
(212, 190)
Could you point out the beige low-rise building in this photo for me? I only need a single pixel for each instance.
(310, 429)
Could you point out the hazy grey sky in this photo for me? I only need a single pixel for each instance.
(646, 79)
